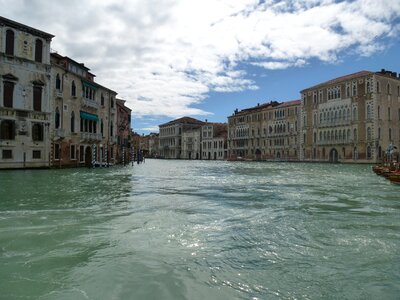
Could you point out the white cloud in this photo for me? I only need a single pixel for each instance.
(164, 57)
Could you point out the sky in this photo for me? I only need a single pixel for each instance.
(206, 58)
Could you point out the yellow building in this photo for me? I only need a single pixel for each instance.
(351, 118)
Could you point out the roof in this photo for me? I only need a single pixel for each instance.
(184, 120)
(22, 27)
(289, 103)
(340, 79)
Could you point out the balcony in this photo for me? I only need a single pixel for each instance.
(89, 136)
(90, 103)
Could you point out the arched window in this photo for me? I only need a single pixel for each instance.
(355, 153)
(355, 134)
(57, 118)
(73, 89)
(7, 130)
(102, 99)
(38, 50)
(9, 42)
(369, 154)
(58, 82)
(102, 127)
(348, 134)
(37, 132)
(355, 114)
(72, 122)
(111, 129)
(369, 133)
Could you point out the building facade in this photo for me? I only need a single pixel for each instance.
(123, 126)
(214, 141)
(351, 118)
(84, 119)
(25, 108)
(170, 137)
(265, 132)
(191, 141)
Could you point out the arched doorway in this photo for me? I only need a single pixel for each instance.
(278, 155)
(190, 155)
(215, 155)
(88, 156)
(209, 155)
(333, 156)
(258, 154)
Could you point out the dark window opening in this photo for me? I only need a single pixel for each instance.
(57, 151)
(73, 89)
(7, 130)
(58, 82)
(38, 50)
(36, 154)
(8, 93)
(72, 122)
(7, 154)
(57, 118)
(37, 132)
(10, 42)
(37, 98)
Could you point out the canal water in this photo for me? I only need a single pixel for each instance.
(200, 230)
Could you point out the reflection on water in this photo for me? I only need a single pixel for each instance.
(199, 230)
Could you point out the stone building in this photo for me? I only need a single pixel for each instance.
(351, 118)
(170, 137)
(123, 126)
(84, 122)
(214, 141)
(265, 132)
(191, 144)
(25, 108)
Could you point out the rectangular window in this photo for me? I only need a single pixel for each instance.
(36, 154)
(37, 98)
(7, 154)
(8, 93)
(57, 151)
(73, 152)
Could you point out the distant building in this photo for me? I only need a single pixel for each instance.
(123, 126)
(214, 141)
(170, 138)
(352, 118)
(25, 105)
(191, 143)
(84, 118)
(265, 132)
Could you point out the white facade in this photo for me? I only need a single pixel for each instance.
(25, 107)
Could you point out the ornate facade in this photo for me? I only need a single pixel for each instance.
(25, 88)
(351, 118)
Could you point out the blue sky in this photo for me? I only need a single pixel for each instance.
(174, 58)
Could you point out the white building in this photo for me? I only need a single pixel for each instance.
(25, 107)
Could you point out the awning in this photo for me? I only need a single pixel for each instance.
(88, 116)
(89, 84)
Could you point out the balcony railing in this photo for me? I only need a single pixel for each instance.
(59, 133)
(90, 103)
(89, 136)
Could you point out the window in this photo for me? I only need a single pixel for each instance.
(368, 111)
(37, 98)
(112, 102)
(369, 153)
(73, 89)
(37, 132)
(8, 93)
(389, 117)
(111, 130)
(58, 82)
(102, 99)
(7, 154)
(369, 133)
(82, 153)
(378, 87)
(9, 42)
(36, 154)
(38, 50)
(7, 130)
(388, 89)
(57, 118)
(57, 151)
(102, 127)
(73, 152)
(72, 122)
(390, 134)
(354, 114)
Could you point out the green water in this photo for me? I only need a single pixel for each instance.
(200, 230)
